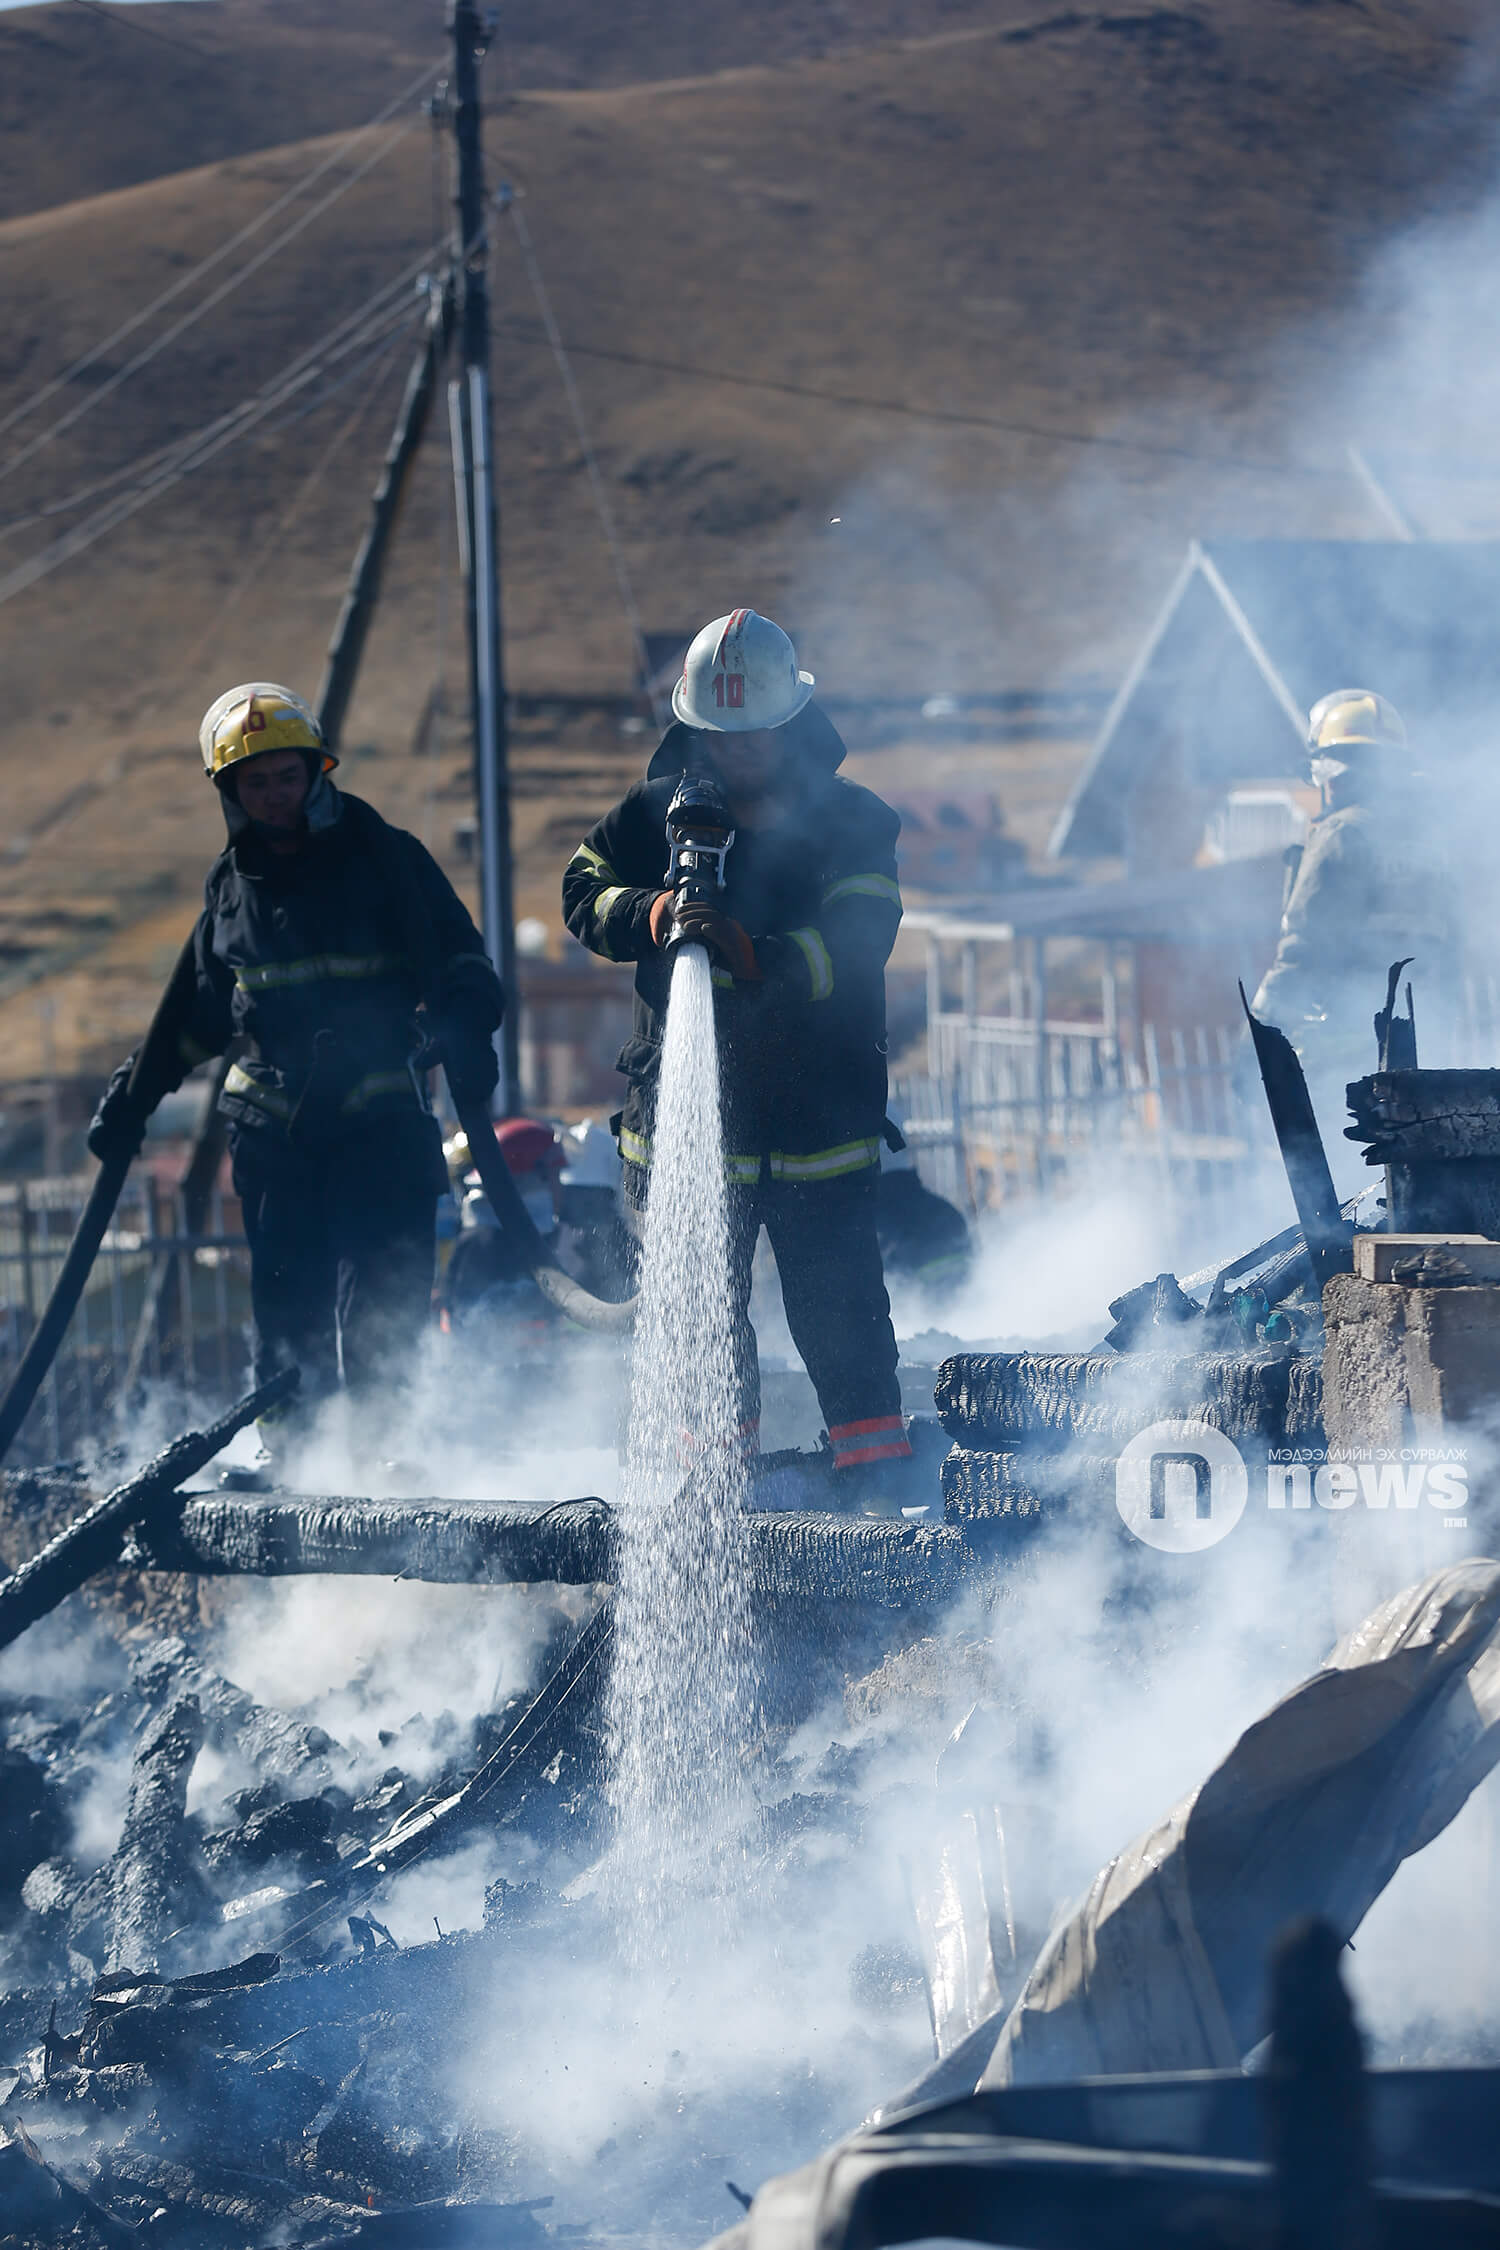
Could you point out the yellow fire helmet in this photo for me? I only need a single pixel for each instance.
(257, 716)
(1354, 719)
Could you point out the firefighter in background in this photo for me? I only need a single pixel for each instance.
(486, 1273)
(1373, 884)
(799, 941)
(334, 949)
(924, 1239)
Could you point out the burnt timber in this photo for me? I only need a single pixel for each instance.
(477, 1542)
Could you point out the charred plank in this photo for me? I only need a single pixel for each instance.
(97, 1537)
(490, 1542)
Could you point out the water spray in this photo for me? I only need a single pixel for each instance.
(681, 1693)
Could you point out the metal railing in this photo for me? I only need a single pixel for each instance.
(191, 1331)
(1016, 1112)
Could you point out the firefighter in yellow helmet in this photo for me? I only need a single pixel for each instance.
(333, 949)
(1373, 885)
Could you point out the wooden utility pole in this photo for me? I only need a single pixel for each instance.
(348, 643)
(479, 533)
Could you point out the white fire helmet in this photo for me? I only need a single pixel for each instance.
(739, 674)
(591, 1158)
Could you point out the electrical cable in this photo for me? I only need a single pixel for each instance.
(205, 444)
(862, 403)
(380, 354)
(659, 707)
(141, 462)
(215, 297)
(226, 249)
(147, 31)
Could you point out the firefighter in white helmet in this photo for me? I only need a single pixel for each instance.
(333, 949)
(799, 934)
(1372, 884)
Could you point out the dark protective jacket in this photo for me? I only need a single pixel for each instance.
(802, 1055)
(318, 959)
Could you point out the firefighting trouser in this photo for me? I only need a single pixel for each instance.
(342, 1241)
(822, 1234)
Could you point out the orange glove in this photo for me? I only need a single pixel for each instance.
(695, 924)
(660, 919)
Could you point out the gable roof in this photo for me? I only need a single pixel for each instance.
(1255, 630)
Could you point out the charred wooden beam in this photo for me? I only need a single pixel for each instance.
(1003, 1401)
(801, 1555)
(96, 1538)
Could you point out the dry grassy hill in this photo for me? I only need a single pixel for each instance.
(85, 88)
(1022, 304)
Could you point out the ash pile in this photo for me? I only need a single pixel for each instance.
(212, 2033)
(253, 1968)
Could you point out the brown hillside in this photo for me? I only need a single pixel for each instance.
(84, 88)
(894, 287)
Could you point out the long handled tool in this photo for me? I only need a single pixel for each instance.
(90, 1231)
(93, 1540)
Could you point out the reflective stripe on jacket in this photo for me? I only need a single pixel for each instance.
(802, 1062)
(317, 960)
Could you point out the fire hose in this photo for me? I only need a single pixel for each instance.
(699, 831)
(561, 1291)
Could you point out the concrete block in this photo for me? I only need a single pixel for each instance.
(1365, 1400)
(1450, 1257)
(1452, 1358)
(1407, 1363)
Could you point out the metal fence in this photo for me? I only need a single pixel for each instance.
(160, 1303)
(1012, 1112)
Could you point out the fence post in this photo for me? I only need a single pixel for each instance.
(934, 1004)
(50, 1392)
(28, 1267)
(1043, 1057)
(187, 1330)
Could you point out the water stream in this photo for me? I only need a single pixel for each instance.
(681, 1698)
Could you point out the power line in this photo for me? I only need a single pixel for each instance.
(215, 258)
(205, 445)
(215, 297)
(265, 549)
(147, 31)
(591, 459)
(862, 403)
(144, 462)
